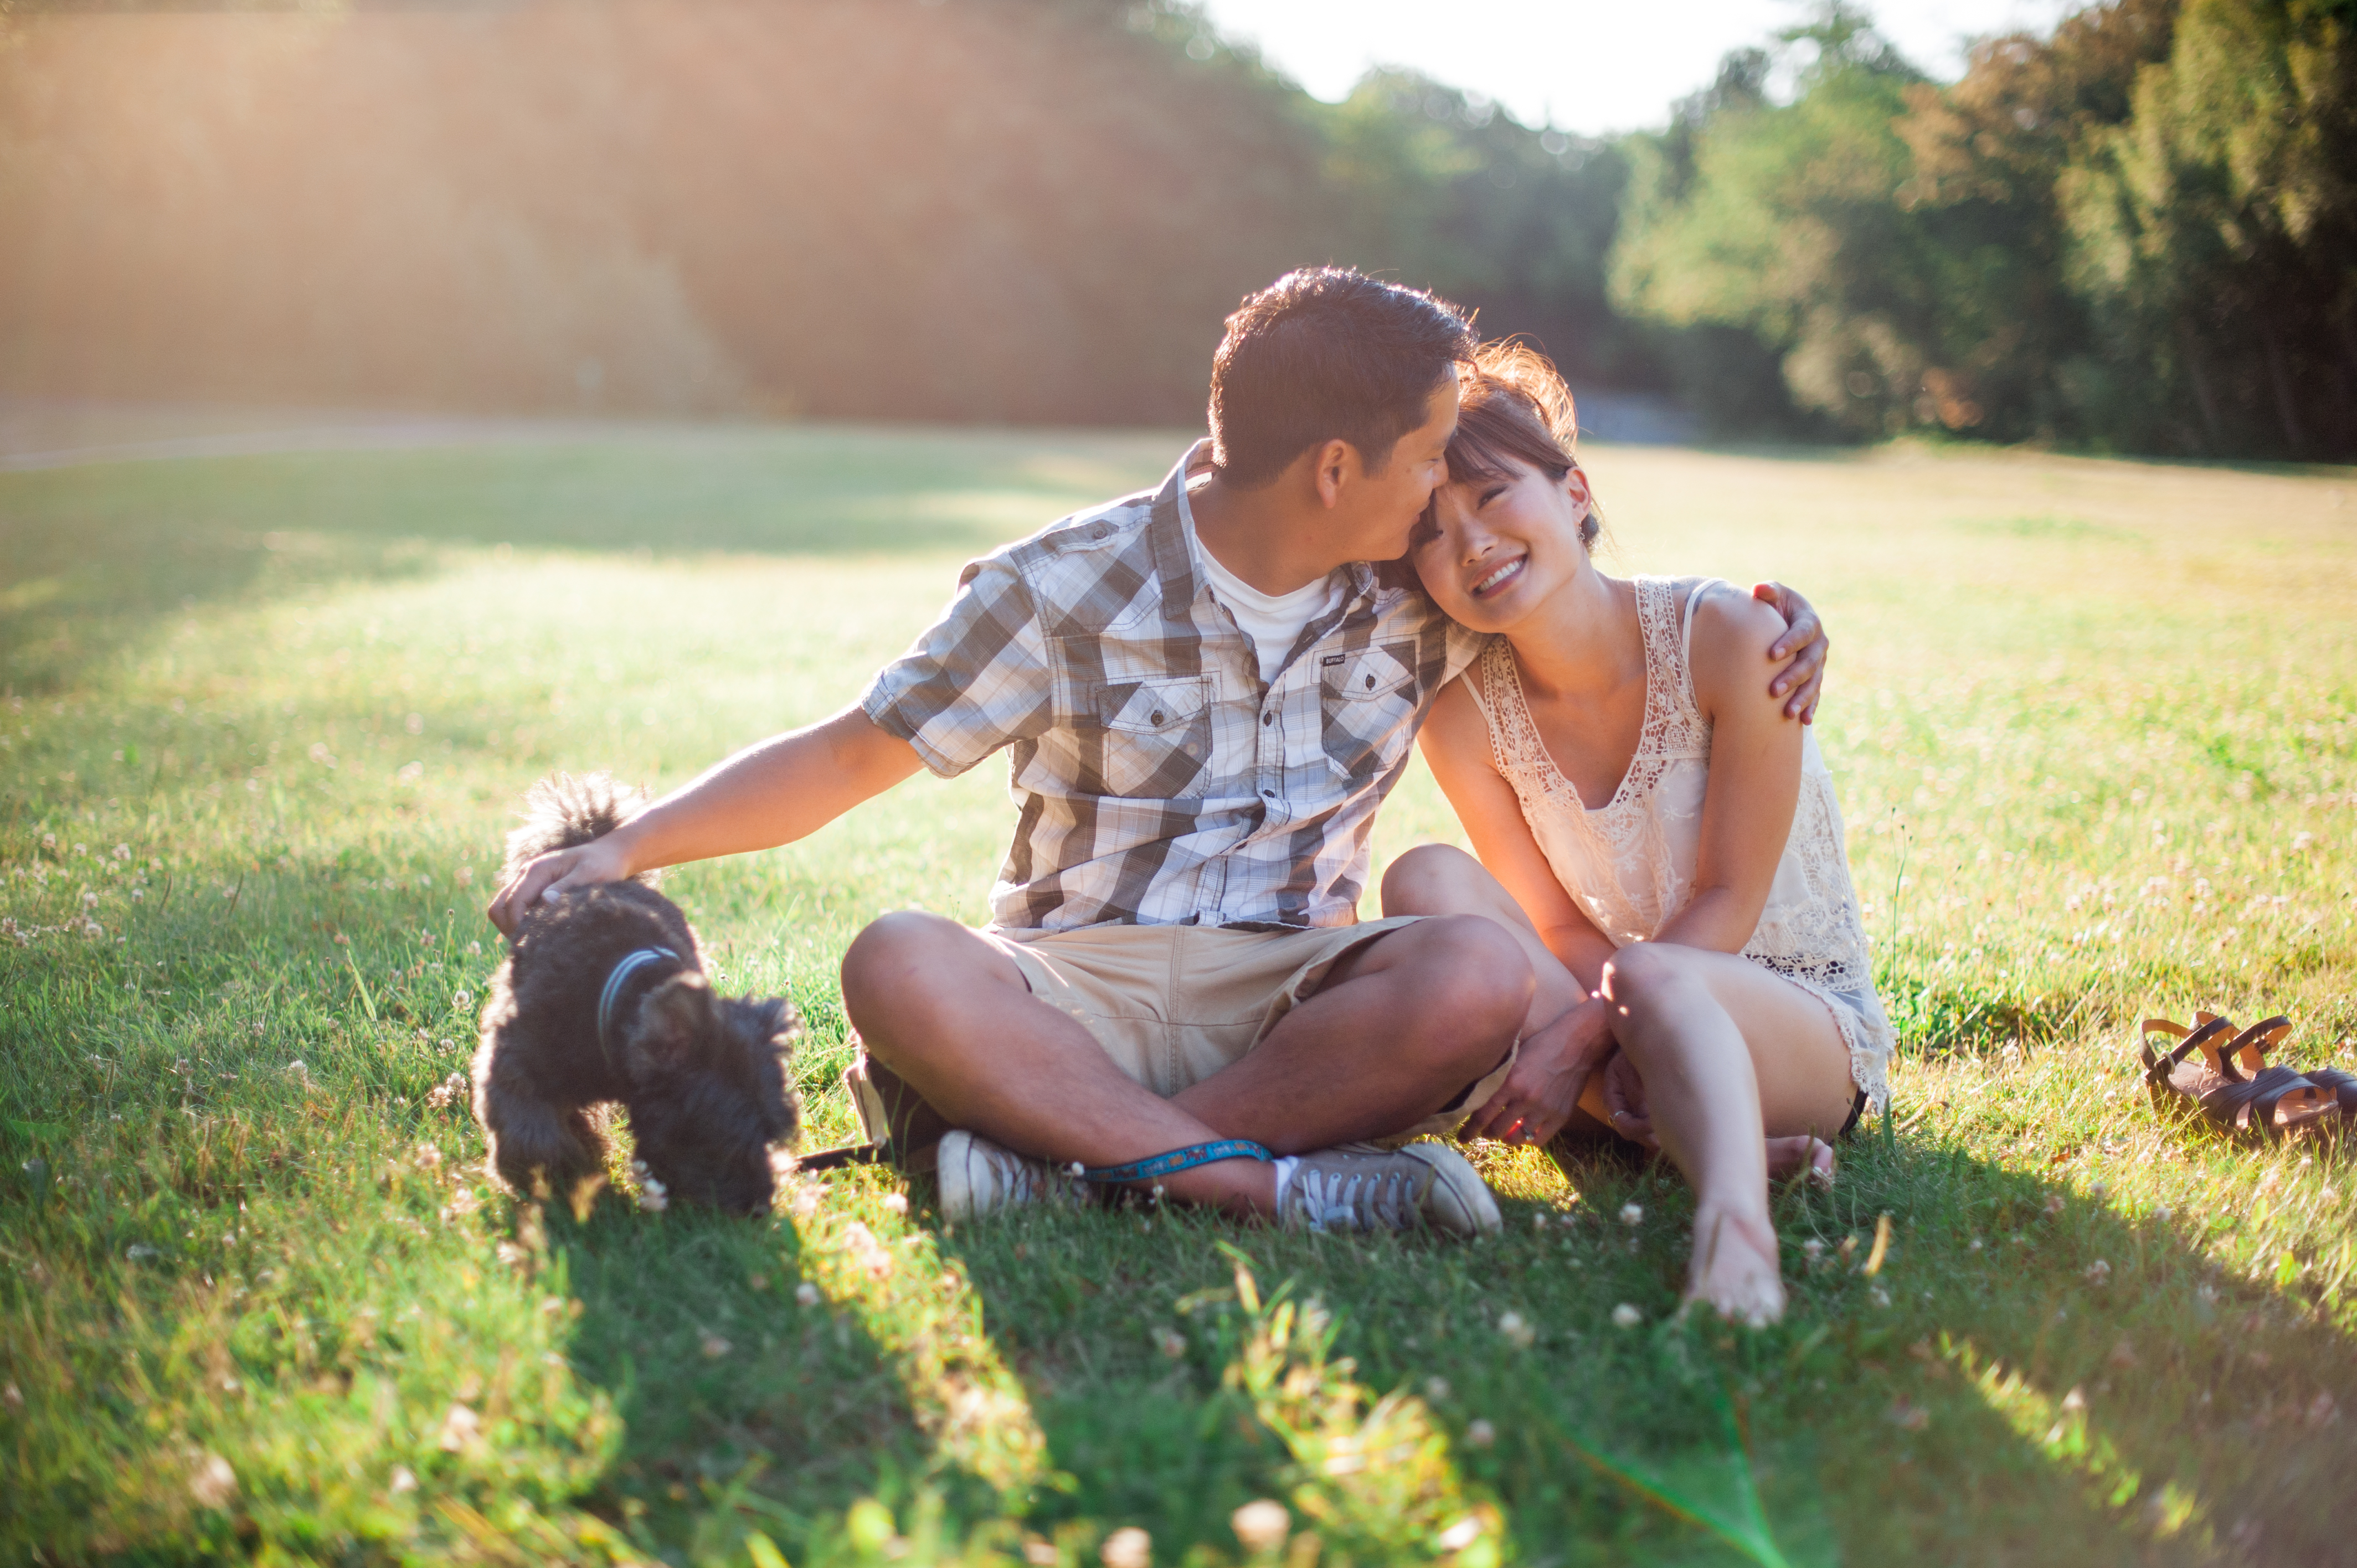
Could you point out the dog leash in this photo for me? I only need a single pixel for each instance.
(1176, 1160)
(620, 976)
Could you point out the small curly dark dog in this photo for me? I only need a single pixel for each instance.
(603, 1000)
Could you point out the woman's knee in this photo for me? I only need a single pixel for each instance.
(1644, 975)
(1433, 879)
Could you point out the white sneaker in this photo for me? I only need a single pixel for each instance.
(1357, 1187)
(975, 1177)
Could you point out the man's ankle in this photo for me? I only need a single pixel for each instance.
(1240, 1188)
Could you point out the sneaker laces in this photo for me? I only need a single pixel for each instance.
(1036, 1181)
(1336, 1201)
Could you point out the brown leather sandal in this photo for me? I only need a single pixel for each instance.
(2340, 1088)
(2224, 1076)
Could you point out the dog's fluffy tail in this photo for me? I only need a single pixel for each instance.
(561, 811)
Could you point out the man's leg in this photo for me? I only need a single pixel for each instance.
(1398, 1028)
(1440, 879)
(953, 1014)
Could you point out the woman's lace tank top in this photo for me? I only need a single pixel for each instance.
(1629, 864)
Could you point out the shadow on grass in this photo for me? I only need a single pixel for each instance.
(744, 1406)
(98, 555)
(2028, 1374)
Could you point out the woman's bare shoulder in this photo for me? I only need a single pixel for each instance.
(1731, 635)
(1457, 720)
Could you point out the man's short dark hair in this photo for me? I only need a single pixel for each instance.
(1325, 354)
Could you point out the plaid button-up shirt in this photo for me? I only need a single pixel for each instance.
(1157, 780)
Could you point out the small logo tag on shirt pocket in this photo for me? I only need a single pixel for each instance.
(1151, 707)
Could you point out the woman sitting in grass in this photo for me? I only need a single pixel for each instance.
(1699, 913)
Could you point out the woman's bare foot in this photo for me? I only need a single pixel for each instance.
(1788, 1156)
(1734, 1270)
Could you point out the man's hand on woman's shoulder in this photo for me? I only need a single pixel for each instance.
(1798, 656)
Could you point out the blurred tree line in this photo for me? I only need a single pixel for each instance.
(2135, 233)
(2139, 233)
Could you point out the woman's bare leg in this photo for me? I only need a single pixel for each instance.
(1716, 1088)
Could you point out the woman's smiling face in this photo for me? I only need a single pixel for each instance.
(1493, 550)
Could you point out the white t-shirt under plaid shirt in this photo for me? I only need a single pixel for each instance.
(1157, 779)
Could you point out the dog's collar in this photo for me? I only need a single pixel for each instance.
(620, 976)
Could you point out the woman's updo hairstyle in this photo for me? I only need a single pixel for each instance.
(1513, 409)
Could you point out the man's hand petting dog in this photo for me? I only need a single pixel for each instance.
(547, 878)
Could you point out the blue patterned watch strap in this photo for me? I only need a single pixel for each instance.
(1176, 1160)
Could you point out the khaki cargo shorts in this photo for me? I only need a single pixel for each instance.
(1171, 1005)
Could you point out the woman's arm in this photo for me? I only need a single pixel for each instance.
(1570, 1031)
(1755, 776)
(1456, 743)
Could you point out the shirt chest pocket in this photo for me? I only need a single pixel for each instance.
(1150, 739)
(1367, 699)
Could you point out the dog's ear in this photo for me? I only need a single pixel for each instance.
(673, 1019)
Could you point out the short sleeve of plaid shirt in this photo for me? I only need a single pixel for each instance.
(977, 680)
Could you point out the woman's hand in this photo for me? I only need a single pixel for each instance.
(1624, 1101)
(1549, 1073)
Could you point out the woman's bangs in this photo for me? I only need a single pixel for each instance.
(1491, 444)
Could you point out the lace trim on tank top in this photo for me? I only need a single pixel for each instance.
(1672, 728)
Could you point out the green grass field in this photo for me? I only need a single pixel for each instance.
(2095, 726)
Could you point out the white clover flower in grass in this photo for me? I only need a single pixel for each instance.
(806, 1293)
(896, 1203)
(460, 1427)
(212, 1483)
(404, 1479)
(1516, 1331)
(1261, 1525)
(1481, 1433)
(867, 1252)
(1128, 1547)
(1460, 1535)
(1631, 1214)
(1627, 1316)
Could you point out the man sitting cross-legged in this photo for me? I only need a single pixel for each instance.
(1205, 691)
